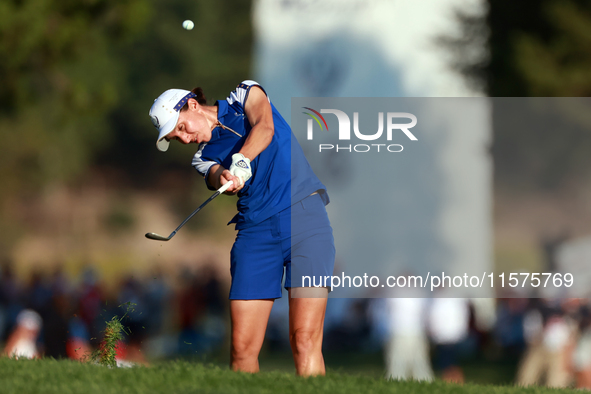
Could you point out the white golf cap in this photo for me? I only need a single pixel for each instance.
(165, 113)
(29, 319)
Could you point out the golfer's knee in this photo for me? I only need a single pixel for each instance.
(306, 341)
(243, 349)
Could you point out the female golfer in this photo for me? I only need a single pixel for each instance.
(282, 222)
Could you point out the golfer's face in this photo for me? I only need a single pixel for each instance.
(191, 127)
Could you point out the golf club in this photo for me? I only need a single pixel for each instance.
(157, 237)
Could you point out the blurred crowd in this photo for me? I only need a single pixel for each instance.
(187, 316)
(163, 317)
(550, 339)
(541, 341)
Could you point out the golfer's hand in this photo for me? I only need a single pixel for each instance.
(241, 167)
(225, 177)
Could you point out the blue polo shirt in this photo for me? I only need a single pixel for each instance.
(280, 174)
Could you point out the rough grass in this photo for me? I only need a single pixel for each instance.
(52, 376)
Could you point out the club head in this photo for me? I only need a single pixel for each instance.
(156, 237)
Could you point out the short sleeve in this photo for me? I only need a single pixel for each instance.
(240, 94)
(201, 165)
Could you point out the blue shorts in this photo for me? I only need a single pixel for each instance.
(298, 239)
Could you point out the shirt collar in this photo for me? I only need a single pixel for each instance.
(222, 111)
(222, 108)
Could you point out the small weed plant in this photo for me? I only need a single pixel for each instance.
(107, 352)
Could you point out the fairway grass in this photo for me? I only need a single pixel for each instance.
(52, 376)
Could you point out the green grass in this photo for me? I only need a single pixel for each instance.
(51, 376)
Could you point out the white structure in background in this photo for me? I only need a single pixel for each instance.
(357, 48)
(388, 48)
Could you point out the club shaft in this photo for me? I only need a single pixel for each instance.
(214, 195)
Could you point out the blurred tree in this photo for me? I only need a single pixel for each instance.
(215, 55)
(549, 51)
(532, 48)
(60, 77)
(78, 78)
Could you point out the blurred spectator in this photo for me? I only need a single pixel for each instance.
(60, 284)
(39, 292)
(201, 312)
(55, 328)
(212, 290)
(132, 305)
(509, 327)
(380, 324)
(448, 322)
(213, 326)
(276, 338)
(22, 342)
(55, 316)
(3, 305)
(582, 352)
(550, 336)
(336, 310)
(10, 298)
(78, 342)
(90, 301)
(157, 297)
(191, 307)
(349, 330)
(407, 351)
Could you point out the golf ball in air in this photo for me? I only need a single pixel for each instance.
(188, 25)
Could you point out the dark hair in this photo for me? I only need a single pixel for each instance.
(200, 98)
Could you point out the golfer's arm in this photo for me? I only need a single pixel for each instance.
(213, 178)
(260, 115)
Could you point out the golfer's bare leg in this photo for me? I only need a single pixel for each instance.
(306, 324)
(249, 322)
